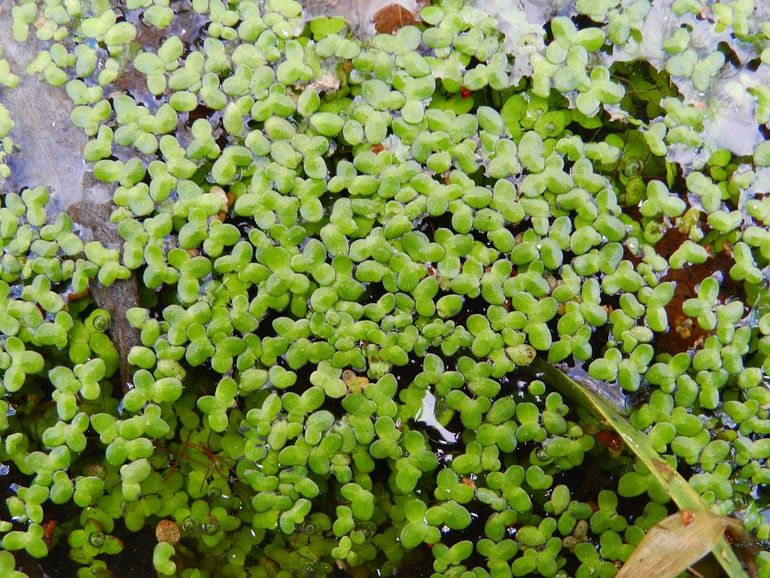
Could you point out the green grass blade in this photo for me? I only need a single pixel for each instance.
(675, 485)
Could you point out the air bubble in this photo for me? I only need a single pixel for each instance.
(210, 526)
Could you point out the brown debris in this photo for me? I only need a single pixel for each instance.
(355, 383)
(121, 295)
(685, 332)
(168, 531)
(392, 18)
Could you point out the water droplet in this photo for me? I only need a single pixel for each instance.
(741, 501)
(188, 525)
(210, 526)
(101, 322)
(632, 167)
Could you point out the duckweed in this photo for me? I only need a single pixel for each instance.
(350, 246)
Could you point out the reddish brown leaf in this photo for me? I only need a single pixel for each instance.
(391, 18)
(684, 332)
(367, 17)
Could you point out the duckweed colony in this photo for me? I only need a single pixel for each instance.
(349, 247)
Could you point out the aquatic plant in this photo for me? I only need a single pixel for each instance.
(279, 300)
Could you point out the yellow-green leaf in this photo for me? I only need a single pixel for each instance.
(675, 544)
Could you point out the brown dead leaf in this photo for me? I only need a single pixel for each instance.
(392, 18)
(367, 17)
(355, 383)
(675, 544)
(684, 332)
(94, 218)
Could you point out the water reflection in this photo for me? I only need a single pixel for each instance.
(427, 415)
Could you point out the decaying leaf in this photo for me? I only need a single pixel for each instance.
(367, 17)
(392, 17)
(328, 82)
(664, 468)
(355, 383)
(675, 544)
(119, 297)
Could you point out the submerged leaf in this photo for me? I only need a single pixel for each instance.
(51, 154)
(611, 393)
(123, 294)
(50, 147)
